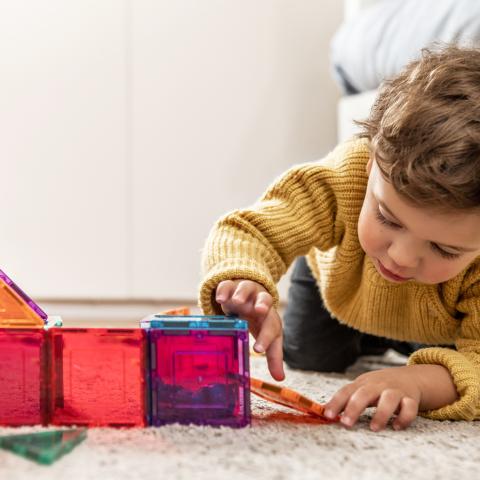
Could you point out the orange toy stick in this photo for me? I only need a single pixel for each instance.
(288, 398)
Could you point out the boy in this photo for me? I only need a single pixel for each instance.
(390, 226)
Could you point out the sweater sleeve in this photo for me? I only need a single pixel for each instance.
(298, 212)
(463, 362)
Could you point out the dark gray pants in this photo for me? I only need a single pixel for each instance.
(313, 340)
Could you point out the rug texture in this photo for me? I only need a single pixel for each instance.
(280, 444)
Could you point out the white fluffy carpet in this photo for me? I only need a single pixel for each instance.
(280, 444)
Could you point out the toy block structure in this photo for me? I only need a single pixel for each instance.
(97, 377)
(199, 370)
(23, 377)
(174, 368)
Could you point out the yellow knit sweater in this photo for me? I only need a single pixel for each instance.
(313, 210)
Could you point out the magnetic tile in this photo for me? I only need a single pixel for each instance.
(98, 377)
(23, 377)
(199, 370)
(17, 309)
(44, 447)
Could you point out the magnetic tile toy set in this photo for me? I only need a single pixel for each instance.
(186, 369)
(173, 368)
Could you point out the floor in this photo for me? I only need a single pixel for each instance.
(280, 444)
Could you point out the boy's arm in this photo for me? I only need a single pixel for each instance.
(304, 208)
(463, 363)
(259, 243)
(441, 383)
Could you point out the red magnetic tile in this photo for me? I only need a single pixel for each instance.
(98, 377)
(22, 377)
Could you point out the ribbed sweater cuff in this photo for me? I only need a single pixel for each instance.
(227, 270)
(465, 377)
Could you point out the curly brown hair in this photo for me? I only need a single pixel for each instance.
(424, 129)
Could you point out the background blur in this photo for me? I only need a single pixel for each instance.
(127, 127)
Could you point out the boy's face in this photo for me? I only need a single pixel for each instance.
(409, 243)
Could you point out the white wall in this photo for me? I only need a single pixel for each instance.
(129, 127)
(63, 160)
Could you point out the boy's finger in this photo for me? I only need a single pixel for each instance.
(359, 400)
(263, 303)
(241, 302)
(224, 291)
(269, 340)
(408, 413)
(227, 296)
(337, 403)
(387, 404)
(275, 359)
(270, 330)
(243, 291)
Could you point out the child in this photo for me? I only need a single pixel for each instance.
(390, 227)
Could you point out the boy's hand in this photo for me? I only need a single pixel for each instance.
(251, 301)
(392, 391)
(396, 392)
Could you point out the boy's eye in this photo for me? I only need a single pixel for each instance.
(386, 222)
(440, 251)
(443, 253)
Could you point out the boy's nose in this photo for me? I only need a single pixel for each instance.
(403, 255)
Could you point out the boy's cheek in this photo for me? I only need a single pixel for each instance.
(434, 273)
(369, 237)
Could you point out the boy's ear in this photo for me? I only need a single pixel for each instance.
(369, 166)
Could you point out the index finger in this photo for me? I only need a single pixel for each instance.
(275, 359)
(269, 340)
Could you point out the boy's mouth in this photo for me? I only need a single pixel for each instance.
(389, 275)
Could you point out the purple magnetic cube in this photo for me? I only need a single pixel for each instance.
(199, 370)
